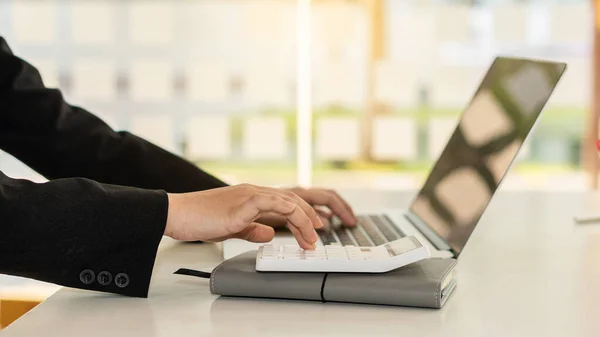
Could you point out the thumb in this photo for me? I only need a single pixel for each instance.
(256, 232)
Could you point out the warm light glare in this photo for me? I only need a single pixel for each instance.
(304, 116)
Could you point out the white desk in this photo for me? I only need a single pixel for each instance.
(527, 271)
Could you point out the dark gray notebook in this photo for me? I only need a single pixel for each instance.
(426, 283)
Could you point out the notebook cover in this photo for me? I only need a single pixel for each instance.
(416, 285)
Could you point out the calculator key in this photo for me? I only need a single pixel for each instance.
(359, 258)
(329, 256)
(287, 249)
(336, 253)
(331, 249)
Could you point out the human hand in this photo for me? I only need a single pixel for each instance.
(320, 199)
(231, 212)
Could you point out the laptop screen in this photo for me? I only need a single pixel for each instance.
(484, 144)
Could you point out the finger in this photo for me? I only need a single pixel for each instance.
(350, 212)
(301, 242)
(264, 203)
(273, 220)
(256, 232)
(323, 213)
(334, 202)
(325, 217)
(300, 221)
(326, 224)
(307, 229)
(308, 209)
(309, 233)
(346, 204)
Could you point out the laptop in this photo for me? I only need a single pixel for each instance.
(481, 150)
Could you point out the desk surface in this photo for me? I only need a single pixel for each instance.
(527, 270)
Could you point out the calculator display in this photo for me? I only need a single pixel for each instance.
(399, 247)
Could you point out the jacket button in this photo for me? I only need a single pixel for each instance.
(122, 280)
(104, 278)
(87, 276)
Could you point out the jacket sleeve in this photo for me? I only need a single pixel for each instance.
(59, 140)
(79, 233)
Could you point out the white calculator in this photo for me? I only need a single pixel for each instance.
(341, 259)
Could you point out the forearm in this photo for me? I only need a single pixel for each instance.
(54, 231)
(59, 140)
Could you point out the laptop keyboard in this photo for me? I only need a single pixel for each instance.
(371, 230)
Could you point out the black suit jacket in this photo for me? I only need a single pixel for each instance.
(98, 221)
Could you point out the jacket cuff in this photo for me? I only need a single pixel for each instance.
(126, 267)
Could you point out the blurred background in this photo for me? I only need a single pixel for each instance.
(216, 81)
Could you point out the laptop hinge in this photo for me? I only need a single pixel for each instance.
(437, 241)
